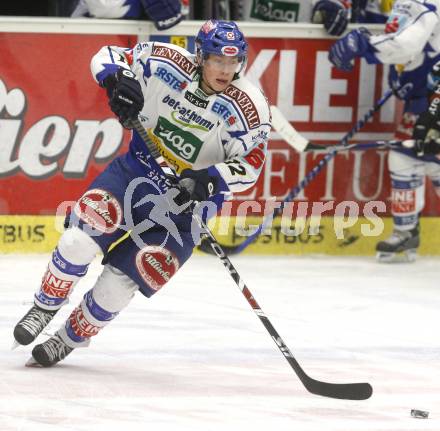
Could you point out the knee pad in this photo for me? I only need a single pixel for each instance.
(112, 293)
(77, 247)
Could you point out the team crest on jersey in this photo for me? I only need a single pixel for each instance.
(99, 209)
(156, 265)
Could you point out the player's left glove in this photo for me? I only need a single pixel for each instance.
(125, 95)
(333, 14)
(345, 50)
(196, 186)
(164, 13)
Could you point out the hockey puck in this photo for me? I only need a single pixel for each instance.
(420, 414)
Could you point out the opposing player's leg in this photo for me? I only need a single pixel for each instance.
(407, 201)
(69, 263)
(130, 268)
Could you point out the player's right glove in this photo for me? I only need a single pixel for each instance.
(125, 95)
(345, 50)
(333, 14)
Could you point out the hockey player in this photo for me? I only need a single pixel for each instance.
(426, 132)
(164, 13)
(411, 45)
(209, 123)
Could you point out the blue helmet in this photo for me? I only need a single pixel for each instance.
(221, 38)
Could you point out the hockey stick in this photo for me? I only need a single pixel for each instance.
(348, 391)
(300, 144)
(282, 126)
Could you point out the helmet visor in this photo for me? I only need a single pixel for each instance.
(225, 64)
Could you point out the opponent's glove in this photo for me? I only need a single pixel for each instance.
(196, 186)
(332, 14)
(345, 50)
(434, 78)
(125, 95)
(426, 134)
(164, 13)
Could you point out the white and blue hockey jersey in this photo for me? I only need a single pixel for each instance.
(225, 132)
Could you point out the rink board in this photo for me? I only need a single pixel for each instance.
(39, 234)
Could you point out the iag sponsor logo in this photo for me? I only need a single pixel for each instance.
(184, 144)
(274, 10)
(223, 111)
(187, 117)
(170, 79)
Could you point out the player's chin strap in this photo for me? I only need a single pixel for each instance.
(349, 391)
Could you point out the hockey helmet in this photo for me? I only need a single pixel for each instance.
(221, 38)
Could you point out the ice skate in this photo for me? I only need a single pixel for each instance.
(401, 246)
(31, 325)
(49, 353)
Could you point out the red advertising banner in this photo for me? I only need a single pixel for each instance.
(57, 132)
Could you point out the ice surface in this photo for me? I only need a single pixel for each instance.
(195, 357)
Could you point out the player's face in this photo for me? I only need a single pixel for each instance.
(218, 72)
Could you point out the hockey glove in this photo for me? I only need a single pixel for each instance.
(426, 134)
(164, 13)
(125, 95)
(332, 14)
(196, 186)
(434, 78)
(345, 50)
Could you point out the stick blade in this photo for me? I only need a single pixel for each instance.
(287, 131)
(342, 391)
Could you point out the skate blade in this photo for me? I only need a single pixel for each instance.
(32, 363)
(15, 344)
(406, 256)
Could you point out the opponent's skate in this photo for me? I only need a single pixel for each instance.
(401, 246)
(49, 353)
(31, 325)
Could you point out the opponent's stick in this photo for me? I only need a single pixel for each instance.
(300, 144)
